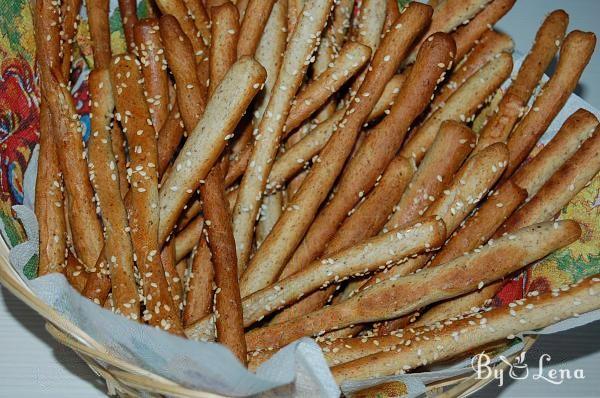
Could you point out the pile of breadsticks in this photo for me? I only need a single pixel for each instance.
(262, 170)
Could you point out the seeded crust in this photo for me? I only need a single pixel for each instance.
(225, 37)
(201, 19)
(252, 26)
(128, 11)
(69, 16)
(199, 297)
(97, 11)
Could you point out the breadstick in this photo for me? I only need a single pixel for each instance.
(574, 131)
(444, 341)
(491, 44)
(228, 303)
(128, 10)
(391, 14)
(388, 97)
(174, 281)
(378, 252)
(143, 209)
(255, 19)
(187, 239)
(223, 51)
(180, 57)
(169, 138)
(207, 140)
(270, 211)
(75, 272)
(546, 44)
(154, 69)
(449, 149)
(269, 260)
(564, 184)
(378, 149)
(69, 12)
(575, 53)
(337, 32)
(295, 7)
(210, 4)
(98, 13)
(294, 65)
(199, 298)
(201, 19)
(461, 106)
(118, 147)
(118, 249)
(400, 296)
(81, 212)
(466, 36)
(351, 59)
(98, 284)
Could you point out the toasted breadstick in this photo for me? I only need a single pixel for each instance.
(491, 44)
(294, 65)
(444, 341)
(169, 138)
(81, 212)
(98, 13)
(206, 142)
(128, 10)
(188, 238)
(350, 60)
(174, 281)
(270, 211)
(546, 44)
(69, 12)
(388, 97)
(396, 297)
(201, 18)
(466, 36)
(118, 249)
(564, 184)
(118, 143)
(269, 260)
(199, 298)
(223, 51)
(154, 69)
(378, 252)
(574, 131)
(75, 272)
(378, 149)
(228, 303)
(575, 53)
(98, 284)
(255, 19)
(461, 105)
(449, 149)
(392, 13)
(144, 204)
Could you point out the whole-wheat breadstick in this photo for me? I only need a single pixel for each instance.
(69, 12)
(255, 19)
(132, 111)
(118, 143)
(128, 11)
(491, 44)
(75, 272)
(270, 211)
(174, 280)
(81, 212)
(199, 297)
(461, 106)
(295, 7)
(449, 149)
(546, 44)
(154, 69)
(351, 59)
(396, 297)
(188, 238)
(98, 13)
(574, 131)
(169, 138)
(443, 341)
(201, 18)
(269, 260)
(466, 36)
(378, 148)
(294, 65)
(223, 51)
(208, 139)
(118, 249)
(575, 53)
(564, 184)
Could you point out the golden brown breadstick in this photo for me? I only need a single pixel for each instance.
(154, 69)
(378, 148)
(564, 184)
(574, 131)
(223, 51)
(169, 138)
(81, 212)
(461, 106)
(98, 284)
(388, 97)
(337, 32)
(174, 281)
(97, 11)
(118, 249)
(546, 44)
(128, 10)
(201, 18)
(351, 59)
(75, 272)
(444, 341)
(294, 65)
(269, 260)
(491, 44)
(69, 12)
(228, 303)
(206, 142)
(399, 296)
(255, 19)
(199, 298)
(132, 111)
(188, 238)
(270, 211)
(575, 53)
(392, 12)
(118, 143)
